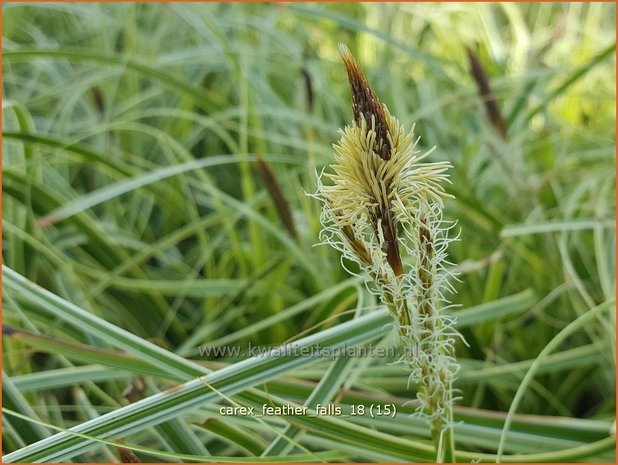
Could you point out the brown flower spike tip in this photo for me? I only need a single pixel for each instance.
(365, 103)
(367, 106)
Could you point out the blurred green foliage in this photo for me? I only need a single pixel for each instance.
(103, 102)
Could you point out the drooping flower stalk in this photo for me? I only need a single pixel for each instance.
(382, 208)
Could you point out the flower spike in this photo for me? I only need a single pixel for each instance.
(382, 200)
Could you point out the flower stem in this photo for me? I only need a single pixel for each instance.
(442, 433)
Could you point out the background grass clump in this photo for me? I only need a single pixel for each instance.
(132, 192)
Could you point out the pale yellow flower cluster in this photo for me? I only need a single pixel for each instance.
(382, 208)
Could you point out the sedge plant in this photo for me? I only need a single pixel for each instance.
(382, 208)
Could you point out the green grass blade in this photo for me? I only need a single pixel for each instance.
(12, 399)
(206, 100)
(164, 406)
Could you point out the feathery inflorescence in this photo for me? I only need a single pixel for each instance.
(382, 208)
